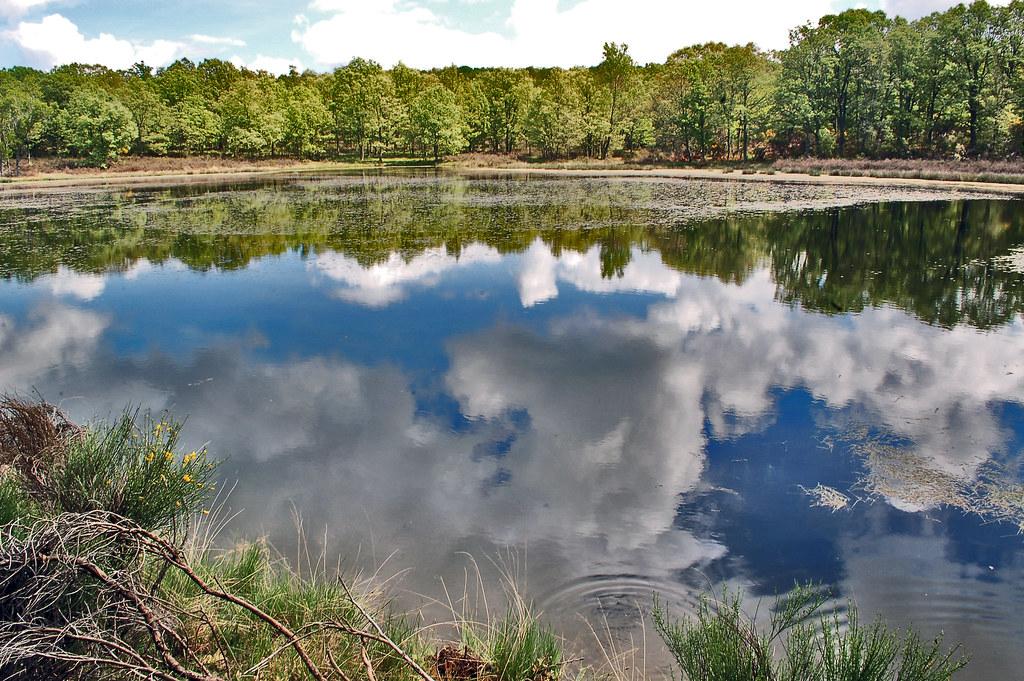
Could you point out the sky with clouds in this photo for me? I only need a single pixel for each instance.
(321, 34)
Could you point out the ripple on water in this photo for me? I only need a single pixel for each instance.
(617, 603)
(617, 599)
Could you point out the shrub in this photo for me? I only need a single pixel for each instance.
(127, 468)
(722, 643)
(130, 468)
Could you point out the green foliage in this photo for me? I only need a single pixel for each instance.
(617, 73)
(96, 127)
(193, 127)
(14, 503)
(554, 123)
(150, 115)
(502, 100)
(517, 647)
(305, 117)
(252, 121)
(250, 571)
(798, 643)
(365, 107)
(437, 122)
(131, 467)
(22, 113)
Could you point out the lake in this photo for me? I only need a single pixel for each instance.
(609, 387)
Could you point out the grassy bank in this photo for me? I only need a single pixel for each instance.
(108, 570)
(134, 171)
(1005, 172)
(972, 171)
(142, 169)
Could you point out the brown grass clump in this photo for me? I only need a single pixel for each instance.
(975, 170)
(33, 436)
(154, 164)
(460, 664)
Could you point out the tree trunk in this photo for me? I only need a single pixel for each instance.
(972, 105)
(746, 138)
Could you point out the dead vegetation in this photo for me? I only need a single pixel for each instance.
(900, 475)
(973, 170)
(33, 437)
(827, 497)
(460, 664)
(154, 164)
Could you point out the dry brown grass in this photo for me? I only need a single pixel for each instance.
(154, 164)
(977, 170)
(824, 496)
(32, 436)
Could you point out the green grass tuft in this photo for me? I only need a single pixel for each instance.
(721, 643)
(517, 647)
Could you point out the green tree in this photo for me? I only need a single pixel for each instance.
(436, 119)
(252, 117)
(505, 100)
(96, 127)
(21, 119)
(617, 74)
(150, 114)
(364, 106)
(193, 127)
(967, 33)
(835, 70)
(594, 104)
(306, 120)
(554, 123)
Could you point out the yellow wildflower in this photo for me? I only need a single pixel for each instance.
(150, 456)
(168, 455)
(187, 477)
(189, 458)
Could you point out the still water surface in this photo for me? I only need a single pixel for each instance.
(615, 387)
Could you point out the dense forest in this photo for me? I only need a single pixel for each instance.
(856, 84)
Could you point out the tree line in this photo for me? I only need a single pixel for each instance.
(854, 84)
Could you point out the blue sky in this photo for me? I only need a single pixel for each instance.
(321, 34)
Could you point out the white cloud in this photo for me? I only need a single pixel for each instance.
(14, 8)
(262, 62)
(67, 282)
(915, 9)
(541, 271)
(541, 33)
(47, 342)
(216, 40)
(386, 282)
(55, 40)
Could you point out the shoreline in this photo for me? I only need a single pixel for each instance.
(775, 176)
(62, 182)
(114, 180)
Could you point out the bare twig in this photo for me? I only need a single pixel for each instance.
(384, 638)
